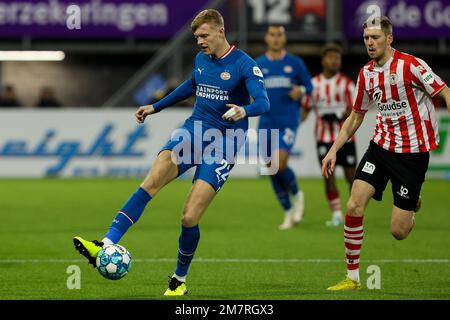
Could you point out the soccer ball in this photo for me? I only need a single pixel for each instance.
(113, 262)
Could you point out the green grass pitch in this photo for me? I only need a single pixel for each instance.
(241, 255)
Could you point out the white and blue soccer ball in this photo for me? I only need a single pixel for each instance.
(113, 262)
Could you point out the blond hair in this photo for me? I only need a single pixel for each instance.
(383, 22)
(210, 16)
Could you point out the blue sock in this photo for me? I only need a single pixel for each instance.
(187, 243)
(128, 215)
(289, 180)
(281, 192)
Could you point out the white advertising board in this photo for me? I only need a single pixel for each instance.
(108, 142)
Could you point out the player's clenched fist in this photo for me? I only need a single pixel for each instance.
(235, 113)
(143, 112)
(297, 92)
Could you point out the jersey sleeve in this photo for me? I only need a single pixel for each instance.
(183, 91)
(362, 99)
(304, 76)
(349, 93)
(424, 77)
(254, 82)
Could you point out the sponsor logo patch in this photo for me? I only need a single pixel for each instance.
(351, 159)
(287, 69)
(377, 95)
(368, 167)
(257, 71)
(403, 192)
(225, 75)
(323, 151)
(428, 78)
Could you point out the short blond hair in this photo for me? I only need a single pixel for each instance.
(207, 16)
(383, 22)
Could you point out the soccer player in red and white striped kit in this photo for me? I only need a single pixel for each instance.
(401, 86)
(332, 101)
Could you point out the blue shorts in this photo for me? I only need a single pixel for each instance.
(212, 159)
(285, 141)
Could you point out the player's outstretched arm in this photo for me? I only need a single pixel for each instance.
(143, 112)
(445, 94)
(306, 86)
(351, 124)
(183, 91)
(260, 101)
(254, 82)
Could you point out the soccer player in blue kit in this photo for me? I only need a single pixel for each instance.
(223, 80)
(287, 79)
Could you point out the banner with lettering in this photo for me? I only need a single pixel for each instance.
(108, 142)
(412, 19)
(150, 19)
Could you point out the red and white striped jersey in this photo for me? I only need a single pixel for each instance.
(402, 90)
(330, 96)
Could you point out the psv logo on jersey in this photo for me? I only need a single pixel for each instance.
(287, 69)
(225, 75)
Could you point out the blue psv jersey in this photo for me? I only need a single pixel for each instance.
(216, 82)
(280, 75)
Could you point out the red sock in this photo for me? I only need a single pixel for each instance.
(353, 237)
(334, 201)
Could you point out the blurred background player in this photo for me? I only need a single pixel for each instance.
(9, 98)
(402, 87)
(47, 98)
(224, 67)
(287, 79)
(332, 101)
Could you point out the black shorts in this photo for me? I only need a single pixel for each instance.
(405, 170)
(346, 156)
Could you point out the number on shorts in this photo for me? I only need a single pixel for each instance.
(223, 175)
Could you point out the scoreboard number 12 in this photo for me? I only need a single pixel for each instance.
(271, 11)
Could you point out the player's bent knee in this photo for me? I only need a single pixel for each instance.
(189, 220)
(282, 166)
(153, 183)
(160, 174)
(399, 234)
(355, 208)
(150, 186)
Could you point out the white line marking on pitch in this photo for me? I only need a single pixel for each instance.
(230, 260)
